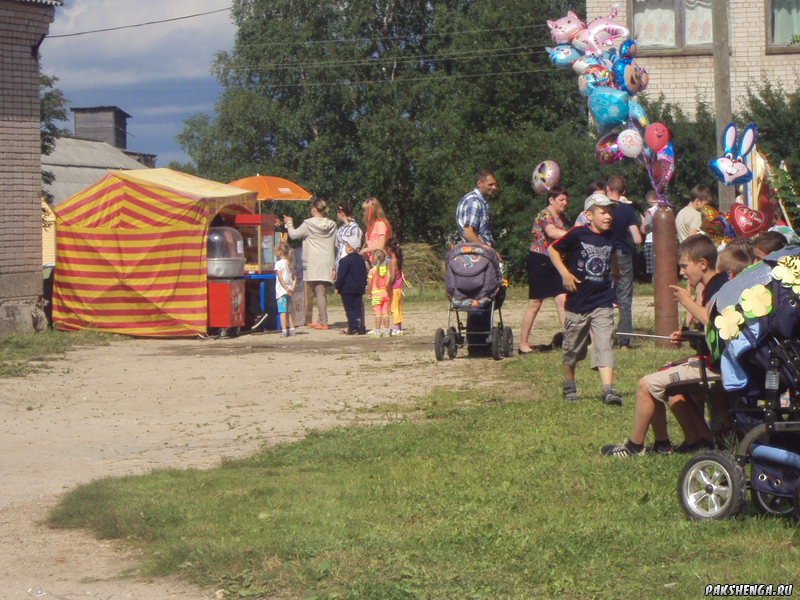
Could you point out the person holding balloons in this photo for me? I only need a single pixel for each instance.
(544, 281)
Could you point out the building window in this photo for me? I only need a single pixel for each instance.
(784, 22)
(672, 24)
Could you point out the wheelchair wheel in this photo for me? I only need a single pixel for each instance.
(451, 342)
(497, 343)
(712, 486)
(508, 341)
(772, 505)
(796, 499)
(438, 344)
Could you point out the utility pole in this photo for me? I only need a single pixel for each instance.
(722, 88)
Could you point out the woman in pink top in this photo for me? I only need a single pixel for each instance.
(543, 279)
(378, 228)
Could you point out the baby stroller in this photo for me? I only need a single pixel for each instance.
(475, 286)
(753, 332)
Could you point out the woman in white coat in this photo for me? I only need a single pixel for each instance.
(319, 237)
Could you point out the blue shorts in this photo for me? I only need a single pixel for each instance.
(284, 304)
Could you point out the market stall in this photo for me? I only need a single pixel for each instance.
(260, 240)
(131, 253)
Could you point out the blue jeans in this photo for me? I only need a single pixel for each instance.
(624, 288)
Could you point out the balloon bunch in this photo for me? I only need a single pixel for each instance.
(604, 58)
(732, 169)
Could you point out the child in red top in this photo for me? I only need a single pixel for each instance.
(380, 292)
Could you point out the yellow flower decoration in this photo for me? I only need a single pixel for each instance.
(728, 323)
(756, 301)
(787, 271)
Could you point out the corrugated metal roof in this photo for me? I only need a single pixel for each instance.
(47, 2)
(77, 164)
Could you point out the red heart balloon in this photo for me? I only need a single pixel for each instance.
(748, 222)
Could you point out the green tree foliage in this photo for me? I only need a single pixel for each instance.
(403, 100)
(53, 108)
(407, 100)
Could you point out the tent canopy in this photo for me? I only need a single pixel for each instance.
(131, 252)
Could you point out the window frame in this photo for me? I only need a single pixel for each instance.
(772, 47)
(680, 30)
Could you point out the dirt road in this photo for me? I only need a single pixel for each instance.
(139, 405)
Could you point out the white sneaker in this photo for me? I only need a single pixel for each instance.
(374, 333)
(397, 332)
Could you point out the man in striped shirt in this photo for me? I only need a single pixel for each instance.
(474, 215)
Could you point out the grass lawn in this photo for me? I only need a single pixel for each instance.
(474, 495)
(23, 353)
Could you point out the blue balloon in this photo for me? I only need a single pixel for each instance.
(637, 115)
(563, 55)
(609, 106)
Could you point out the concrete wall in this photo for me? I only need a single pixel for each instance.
(21, 27)
(684, 79)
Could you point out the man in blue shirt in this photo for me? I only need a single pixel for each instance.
(474, 218)
(474, 215)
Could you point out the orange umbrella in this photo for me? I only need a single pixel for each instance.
(273, 188)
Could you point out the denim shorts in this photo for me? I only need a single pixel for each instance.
(284, 304)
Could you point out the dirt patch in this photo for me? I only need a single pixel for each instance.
(140, 405)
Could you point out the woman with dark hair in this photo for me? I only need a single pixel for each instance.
(544, 280)
(319, 253)
(348, 230)
(378, 228)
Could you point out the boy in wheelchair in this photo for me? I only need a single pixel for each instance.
(683, 386)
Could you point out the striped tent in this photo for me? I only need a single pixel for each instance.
(131, 252)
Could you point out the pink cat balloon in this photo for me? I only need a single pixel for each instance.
(565, 28)
(600, 35)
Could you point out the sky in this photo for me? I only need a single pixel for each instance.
(159, 74)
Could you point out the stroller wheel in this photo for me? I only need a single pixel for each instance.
(712, 486)
(438, 344)
(508, 341)
(451, 341)
(770, 504)
(497, 343)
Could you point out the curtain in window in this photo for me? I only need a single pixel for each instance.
(697, 18)
(654, 23)
(785, 20)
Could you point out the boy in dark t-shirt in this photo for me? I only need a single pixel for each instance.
(583, 259)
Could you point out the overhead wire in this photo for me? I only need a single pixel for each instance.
(202, 14)
(370, 61)
(388, 37)
(432, 78)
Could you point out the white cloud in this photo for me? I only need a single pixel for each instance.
(179, 49)
(159, 73)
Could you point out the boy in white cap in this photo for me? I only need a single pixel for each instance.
(583, 259)
(351, 282)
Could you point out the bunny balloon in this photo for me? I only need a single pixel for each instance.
(730, 168)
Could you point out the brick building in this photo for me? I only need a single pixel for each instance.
(23, 26)
(676, 44)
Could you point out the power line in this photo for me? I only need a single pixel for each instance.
(211, 12)
(450, 57)
(431, 79)
(389, 37)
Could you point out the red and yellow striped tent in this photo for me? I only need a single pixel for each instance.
(131, 252)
